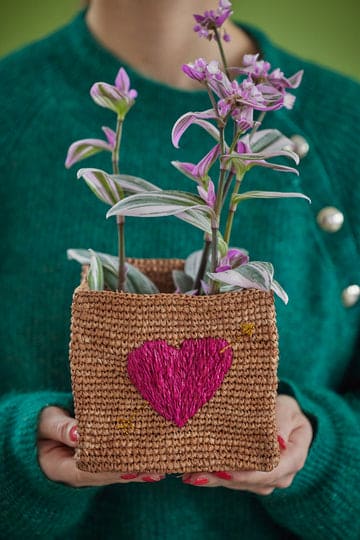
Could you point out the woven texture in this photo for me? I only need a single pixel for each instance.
(119, 430)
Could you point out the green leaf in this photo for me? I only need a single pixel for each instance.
(253, 275)
(133, 184)
(102, 185)
(82, 256)
(162, 203)
(192, 264)
(110, 280)
(267, 195)
(136, 281)
(268, 138)
(183, 282)
(277, 288)
(95, 275)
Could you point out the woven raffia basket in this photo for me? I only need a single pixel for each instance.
(143, 405)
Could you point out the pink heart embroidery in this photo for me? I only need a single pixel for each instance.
(178, 382)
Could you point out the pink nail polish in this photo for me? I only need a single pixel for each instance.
(200, 482)
(128, 476)
(187, 480)
(223, 475)
(74, 434)
(150, 479)
(281, 442)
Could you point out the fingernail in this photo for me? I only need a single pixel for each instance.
(200, 481)
(129, 476)
(187, 480)
(150, 479)
(223, 474)
(281, 442)
(74, 434)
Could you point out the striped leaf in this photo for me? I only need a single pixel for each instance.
(253, 275)
(189, 118)
(183, 282)
(162, 203)
(267, 195)
(85, 148)
(95, 275)
(269, 139)
(82, 256)
(102, 185)
(133, 184)
(136, 281)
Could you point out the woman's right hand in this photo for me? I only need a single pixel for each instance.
(57, 439)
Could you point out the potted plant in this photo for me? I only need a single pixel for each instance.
(174, 362)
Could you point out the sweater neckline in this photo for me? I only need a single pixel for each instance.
(98, 62)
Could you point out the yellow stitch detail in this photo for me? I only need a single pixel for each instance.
(248, 328)
(126, 424)
(225, 348)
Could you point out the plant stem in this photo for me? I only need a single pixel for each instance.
(214, 255)
(120, 220)
(228, 183)
(115, 156)
(221, 50)
(232, 210)
(203, 262)
(258, 124)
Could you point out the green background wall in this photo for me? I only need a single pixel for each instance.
(323, 30)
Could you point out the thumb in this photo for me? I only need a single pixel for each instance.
(56, 424)
(286, 415)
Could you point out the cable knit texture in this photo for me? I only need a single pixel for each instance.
(44, 107)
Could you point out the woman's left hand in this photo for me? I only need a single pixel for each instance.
(295, 436)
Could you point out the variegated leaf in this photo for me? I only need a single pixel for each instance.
(267, 195)
(183, 282)
(95, 275)
(102, 185)
(136, 281)
(133, 184)
(163, 203)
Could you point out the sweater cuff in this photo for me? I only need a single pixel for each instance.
(322, 448)
(309, 492)
(24, 484)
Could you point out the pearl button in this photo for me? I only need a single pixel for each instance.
(330, 219)
(301, 146)
(350, 295)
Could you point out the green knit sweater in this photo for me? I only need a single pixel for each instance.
(44, 107)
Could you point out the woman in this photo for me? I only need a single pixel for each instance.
(313, 492)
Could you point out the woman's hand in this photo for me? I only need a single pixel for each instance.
(295, 436)
(57, 439)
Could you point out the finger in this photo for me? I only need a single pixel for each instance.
(200, 479)
(286, 411)
(56, 424)
(291, 462)
(58, 464)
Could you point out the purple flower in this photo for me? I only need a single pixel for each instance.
(211, 20)
(274, 81)
(202, 71)
(85, 148)
(234, 257)
(240, 99)
(196, 70)
(208, 194)
(199, 172)
(119, 98)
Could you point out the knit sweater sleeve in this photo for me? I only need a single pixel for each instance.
(31, 505)
(323, 501)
